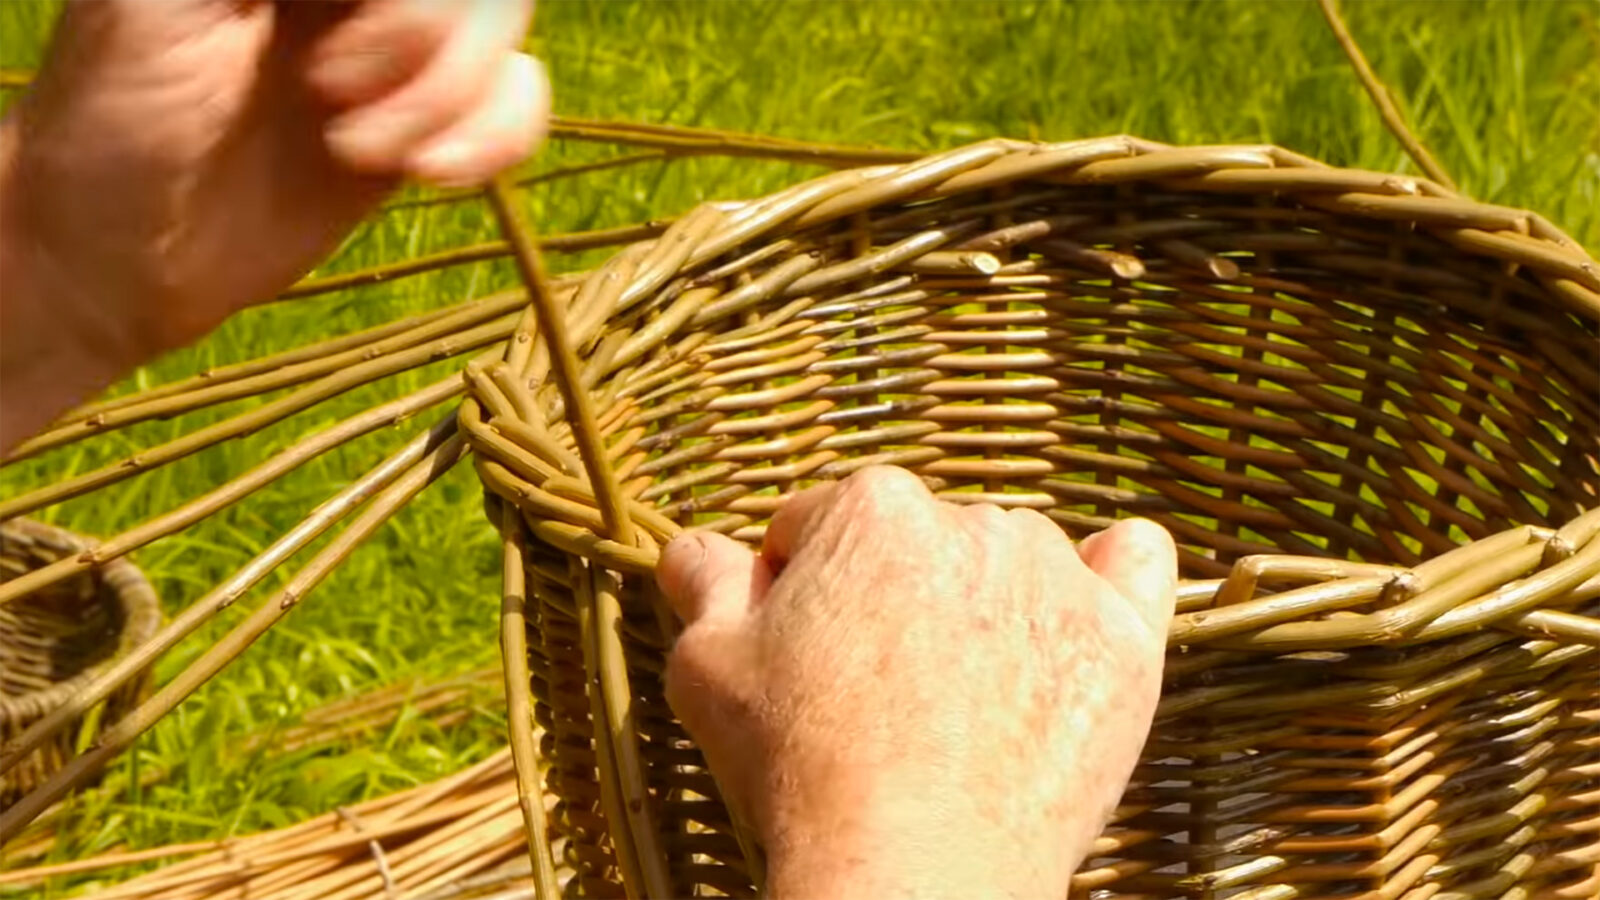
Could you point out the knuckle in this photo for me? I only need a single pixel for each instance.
(444, 98)
(1035, 522)
(424, 24)
(886, 485)
(1148, 533)
(988, 517)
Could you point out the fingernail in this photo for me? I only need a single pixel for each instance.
(679, 560)
(448, 165)
(694, 552)
(367, 139)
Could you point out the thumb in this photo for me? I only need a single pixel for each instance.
(1138, 558)
(705, 575)
(711, 582)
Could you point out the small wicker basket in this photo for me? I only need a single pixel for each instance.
(1368, 409)
(55, 641)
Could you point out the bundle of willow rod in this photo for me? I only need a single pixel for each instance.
(446, 703)
(407, 844)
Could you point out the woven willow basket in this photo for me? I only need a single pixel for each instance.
(1369, 411)
(55, 641)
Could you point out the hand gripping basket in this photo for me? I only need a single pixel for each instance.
(1368, 409)
(55, 641)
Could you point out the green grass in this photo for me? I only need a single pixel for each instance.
(1507, 94)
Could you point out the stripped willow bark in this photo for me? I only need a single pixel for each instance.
(443, 448)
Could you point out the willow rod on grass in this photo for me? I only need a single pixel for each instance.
(444, 703)
(260, 417)
(443, 448)
(458, 320)
(679, 138)
(571, 242)
(286, 861)
(236, 371)
(224, 594)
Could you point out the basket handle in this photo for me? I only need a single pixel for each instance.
(552, 323)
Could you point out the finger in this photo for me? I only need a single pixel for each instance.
(1040, 529)
(379, 46)
(1138, 558)
(792, 521)
(707, 576)
(871, 498)
(501, 132)
(379, 136)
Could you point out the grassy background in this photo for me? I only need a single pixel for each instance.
(1506, 93)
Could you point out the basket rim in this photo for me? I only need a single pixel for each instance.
(140, 606)
(1520, 238)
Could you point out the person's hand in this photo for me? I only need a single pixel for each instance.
(178, 160)
(911, 698)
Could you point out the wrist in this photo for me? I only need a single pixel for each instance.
(909, 841)
(52, 353)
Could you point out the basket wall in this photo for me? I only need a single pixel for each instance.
(1368, 410)
(56, 640)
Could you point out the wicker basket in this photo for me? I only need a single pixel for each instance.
(1368, 409)
(54, 642)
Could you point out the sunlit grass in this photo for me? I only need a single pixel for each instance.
(1507, 94)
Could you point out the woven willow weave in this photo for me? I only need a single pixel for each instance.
(1369, 411)
(54, 641)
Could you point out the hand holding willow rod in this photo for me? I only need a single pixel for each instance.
(176, 161)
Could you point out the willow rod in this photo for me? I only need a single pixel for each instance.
(519, 701)
(670, 137)
(446, 450)
(459, 319)
(615, 162)
(234, 490)
(260, 417)
(235, 371)
(572, 242)
(564, 364)
(264, 857)
(728, 143)
(445, 703)
(1382, 98)
(224, 594)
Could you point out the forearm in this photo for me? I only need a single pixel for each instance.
(51, 355)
